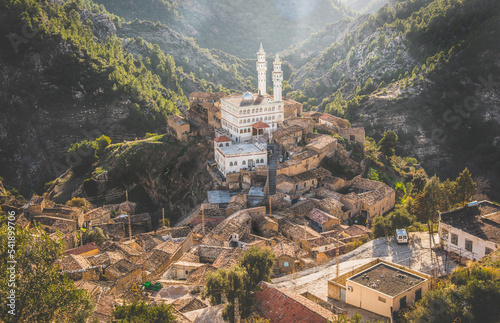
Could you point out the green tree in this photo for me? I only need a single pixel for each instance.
(369, 86)
(42, 294)
(437, 306)
(95, 235)
(102, 142)
(140, 311)
(419, 180)
(81, 155)
(387, 144)
(79, 202)
(258, 263)
(465, 187)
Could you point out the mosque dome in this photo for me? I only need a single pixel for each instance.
(247, 96)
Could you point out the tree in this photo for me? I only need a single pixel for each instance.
(42, 294)
(419, 180)
(79, 202)
(369, 86)
(258, 263)
(387, 144)
(102, 142)
(81, 155)
(437, 306)
(95, 235)
(239, 281)
(465, 187)
(140, 311)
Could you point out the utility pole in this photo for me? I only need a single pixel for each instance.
(337, 255)
(270, 206)
(163, 216)
(202, 220)
(129, 221)
(143, 262)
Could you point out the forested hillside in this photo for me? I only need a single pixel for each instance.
(425, 69)
(65, 76)
(236, 26)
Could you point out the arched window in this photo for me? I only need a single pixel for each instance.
(241, 130)
(227, 144)
(248, 111)
(244, 163)
(240, 121)
(260, 110)
(265, 109)
(265, 118)
(253, 110)
(262, 160)
(273, 108)
(273, 117)
(230, 163)
(235, 163)
(221, 145)
(253, 119)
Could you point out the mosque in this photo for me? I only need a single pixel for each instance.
(248, 121)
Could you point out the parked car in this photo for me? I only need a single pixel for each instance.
(401, 236)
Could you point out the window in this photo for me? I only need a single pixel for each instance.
(262, 160)
(286, 264)
(381, 299)
(244, 163)
(227, 144)
(468, 245)
(488, 250)
(230, 163)
(235, 163)
(221, 145)
(444, 234)
(418, 294)
(454, 239)
(402, 302)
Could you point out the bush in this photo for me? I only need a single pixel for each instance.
(90, 187)
(150, 134)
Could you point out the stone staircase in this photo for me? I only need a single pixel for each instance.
(273, 166)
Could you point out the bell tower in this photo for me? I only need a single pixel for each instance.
(277, 79)
(261, 70)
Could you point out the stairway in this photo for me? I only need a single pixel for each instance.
(273, 166)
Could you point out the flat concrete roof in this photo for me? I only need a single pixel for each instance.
(256, 191)
(218, 197)
(241, 149)
(387, 279)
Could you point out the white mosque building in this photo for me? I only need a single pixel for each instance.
(248, 121)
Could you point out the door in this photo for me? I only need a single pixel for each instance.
(342, 294)
(402, 302)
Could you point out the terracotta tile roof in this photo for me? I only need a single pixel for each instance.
(198, 276)
(227, 258)
(302, 207)
(126, 250)
(238, 222)
(185, 305)
(175, 232)
(73, 262)
(210, 252)
(222, 139)
(319, 216)
(168, 246)
(82, 249)
(260, 125)
(148, 241)
(106, 258)
(155, 259)
(283, 249)
(189, 257)
(359, 130)
(316, 173)
(356, 230)
(280, 305)
(122, 268)
(295, 231)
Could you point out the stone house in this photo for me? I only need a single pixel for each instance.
(285, 259)
(181, 269)
(356, 135)
(88, 249)
(292, 108)
(302, 182)
(333, 121)
(53, 224)
(181, 127)
(324, 146)
(301, 208)
(124, 273)
(321, 221)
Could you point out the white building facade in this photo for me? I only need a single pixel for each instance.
(248, 122)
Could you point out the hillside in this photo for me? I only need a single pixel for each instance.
(157, 172)
(236, 27)
(409, 68)
(365, 6)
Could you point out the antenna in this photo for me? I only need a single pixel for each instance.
(270, 206)
(163, 216)
(129, 221)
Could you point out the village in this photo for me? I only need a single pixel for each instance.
(269, 191)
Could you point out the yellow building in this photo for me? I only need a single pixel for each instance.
(380, 287)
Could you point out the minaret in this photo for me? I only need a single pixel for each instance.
(261, 70)
(277, 78)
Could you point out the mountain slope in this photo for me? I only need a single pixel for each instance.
(66, 81)
(236, 27)
(426, 69)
